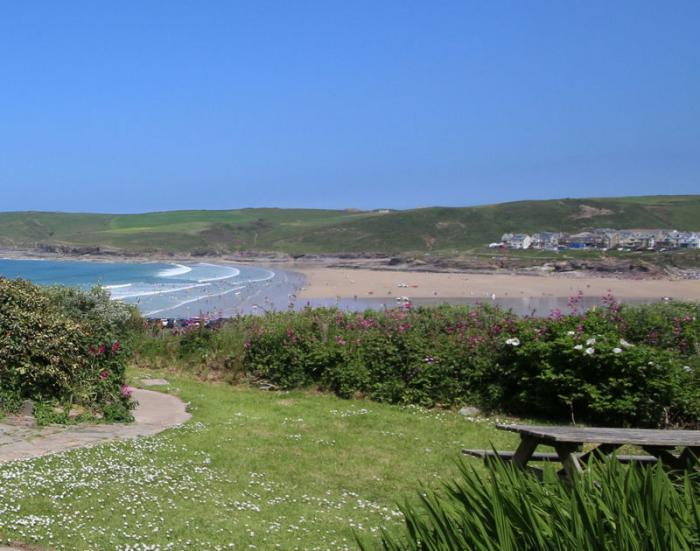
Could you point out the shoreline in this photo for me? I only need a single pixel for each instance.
(325, 279)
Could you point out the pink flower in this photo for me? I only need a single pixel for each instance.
(125, 391)
(340, 340)
(101, 349)
(116, 346)
(104, 375)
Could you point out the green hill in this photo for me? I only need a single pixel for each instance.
(335, 231)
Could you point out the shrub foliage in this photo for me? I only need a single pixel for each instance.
(60, 349)
(616, 365)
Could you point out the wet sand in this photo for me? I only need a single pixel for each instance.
(327, 283)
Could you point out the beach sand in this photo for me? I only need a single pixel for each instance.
(332, 282)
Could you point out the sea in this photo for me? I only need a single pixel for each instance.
(170, 290)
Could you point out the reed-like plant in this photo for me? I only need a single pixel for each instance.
(608, 507)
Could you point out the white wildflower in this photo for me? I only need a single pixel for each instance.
(617, 350)
(688, 368)
(624, 343)
(571, 333)
(590, 351)
(590, 342)
(578, 347)
(513, 342)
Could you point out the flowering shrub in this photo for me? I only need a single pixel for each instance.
(598, 376)
(616, 366)
(58, 360)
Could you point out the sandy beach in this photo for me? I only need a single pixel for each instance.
(331, 282)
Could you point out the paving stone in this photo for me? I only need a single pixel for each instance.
(155, 412)
(154, 382)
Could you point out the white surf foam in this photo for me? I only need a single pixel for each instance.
(268, 277)
(122, 286)
(190, 301)
(230, 272)
(178, 270)
(161, 291)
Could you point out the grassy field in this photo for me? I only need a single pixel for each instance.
(259, 469)
(332, 231)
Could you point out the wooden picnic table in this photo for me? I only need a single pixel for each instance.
(568, 443)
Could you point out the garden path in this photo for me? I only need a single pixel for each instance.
(154, 413)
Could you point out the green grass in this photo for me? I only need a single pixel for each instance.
(298, 231)
(271, 469)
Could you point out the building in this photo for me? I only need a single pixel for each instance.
(583, 240)
(546, 240)
(681, 240)
(516, 240)
(638, 239)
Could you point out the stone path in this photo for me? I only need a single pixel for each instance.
(155, 412)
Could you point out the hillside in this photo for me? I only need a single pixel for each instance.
(335, 231)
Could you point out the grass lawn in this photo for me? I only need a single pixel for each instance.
(253, 469)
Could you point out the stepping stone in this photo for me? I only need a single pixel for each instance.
(154, 382)
(20, 421)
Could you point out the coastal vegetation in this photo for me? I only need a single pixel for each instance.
(302, 231)
(617, 365)
(60, 351)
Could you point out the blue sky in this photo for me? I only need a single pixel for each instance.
(153, 105)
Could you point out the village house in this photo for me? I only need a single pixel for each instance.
(583, 240)
(637, 239)
(546, 240)
(516, 240)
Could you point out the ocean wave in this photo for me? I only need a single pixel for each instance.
(160, 291)
(191, 300)
(178, 270)
(232, 272)
(268, 277)
(121, 286)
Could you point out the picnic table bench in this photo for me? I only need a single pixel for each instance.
(568, 443)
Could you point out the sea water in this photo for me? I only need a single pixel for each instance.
(169, 290)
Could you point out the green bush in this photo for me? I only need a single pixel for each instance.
(59, 357)
(584, 363)
(95, 308)
(642, 368)
(609, 507)
(576, 366)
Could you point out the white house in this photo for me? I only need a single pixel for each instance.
(517, 240)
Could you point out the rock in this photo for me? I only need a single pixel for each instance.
(75, 412)
(470, 411)
(155, 382)
(26, 409)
